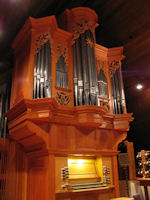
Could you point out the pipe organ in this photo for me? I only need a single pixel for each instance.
(67, 111)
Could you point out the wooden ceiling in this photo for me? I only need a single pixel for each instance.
(122, 23)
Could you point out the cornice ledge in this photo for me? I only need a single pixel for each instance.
(28, 105)
(122, 121)
(90, 109)
(30, 136)
(89, 116)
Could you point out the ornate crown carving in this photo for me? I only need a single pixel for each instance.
(61, 51)
(80, 27)
(100, 64)
(42, 39)
(113, 66)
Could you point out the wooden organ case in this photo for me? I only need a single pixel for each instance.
(67, 111)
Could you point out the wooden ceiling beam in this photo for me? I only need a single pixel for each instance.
(137, 40)
(111, 7)
(132, 26)
(127, 14)
(138, 56)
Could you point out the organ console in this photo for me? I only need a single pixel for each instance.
(67, 111)
(84, 173)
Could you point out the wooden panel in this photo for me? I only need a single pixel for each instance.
(85, 139)
(37, 181)
(107, 161)
(41, 178)
(132, 168)
(17, 173)
(107, 196)
(102, 142)
(85, 197)
(60, 162)
(62, 137)
(99, 167)
(65, 198)
(115, 175)
(21, 81)
(3, 169)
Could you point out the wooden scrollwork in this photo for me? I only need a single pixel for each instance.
(80, 27)
(62, 51)
(113, 66)
(42, 39)
(100, 64)
(90, 43)
(62, 98)
(105, 104)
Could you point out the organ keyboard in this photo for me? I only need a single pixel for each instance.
(83, 186)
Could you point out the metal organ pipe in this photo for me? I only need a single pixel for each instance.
(118, 75)
(92, 68)
(77, 72)
(102, 85)
(118, 98)
(113, 95)
(47, 70)
(84, 69)
(4, 106)
(42, 72)
(75, 78)
(117, 94)
(38, 74)
(61, 73)
(1, 113)
(7, 99)
(35, 76)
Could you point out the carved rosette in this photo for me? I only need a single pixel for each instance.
(90, 43)
(113, 66)
(80, 27)
(100, 64)
(41, 40)
(61, 51)
(62, 98)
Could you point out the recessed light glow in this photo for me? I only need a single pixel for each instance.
(70, 161)
(78, 154)
(139, 86)
(80, 162)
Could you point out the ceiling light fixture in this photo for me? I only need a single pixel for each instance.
(139, 86)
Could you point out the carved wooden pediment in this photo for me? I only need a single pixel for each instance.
(41, 40)
(100, 64)
(113, 66)
(62, 51)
